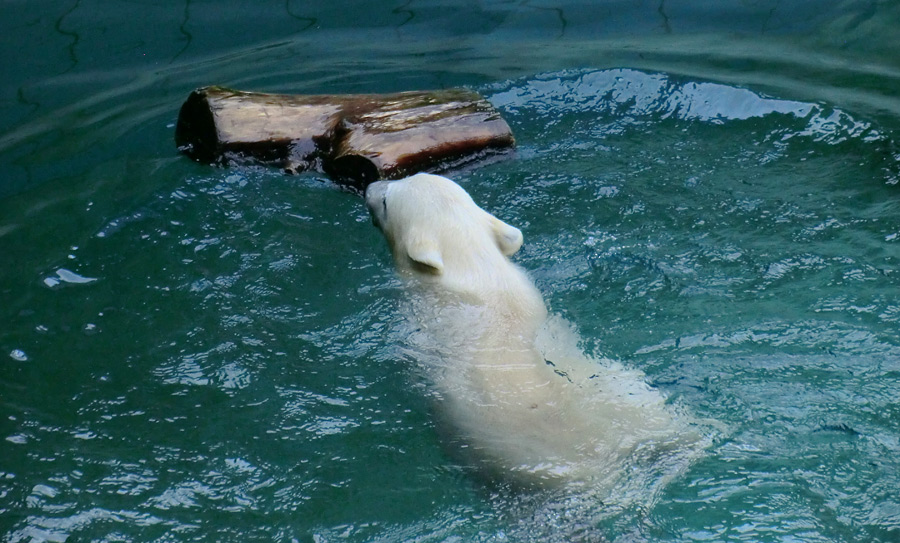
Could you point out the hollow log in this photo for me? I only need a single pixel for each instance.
(356, 139)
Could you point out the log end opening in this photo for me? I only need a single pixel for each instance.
(196, 134)
(354, 171)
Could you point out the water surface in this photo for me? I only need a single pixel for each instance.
(190, 353)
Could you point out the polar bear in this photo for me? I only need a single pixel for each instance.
(519, 398)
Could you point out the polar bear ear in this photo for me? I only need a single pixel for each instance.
(426, 254)
(509, 238)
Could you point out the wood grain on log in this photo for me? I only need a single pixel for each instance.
(356, 139)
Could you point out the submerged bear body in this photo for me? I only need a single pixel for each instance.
(518, 397)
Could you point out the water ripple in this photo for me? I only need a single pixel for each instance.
(629, 93)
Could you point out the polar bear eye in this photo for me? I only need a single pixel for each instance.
(384, 205)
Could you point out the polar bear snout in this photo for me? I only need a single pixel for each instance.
(376, 201)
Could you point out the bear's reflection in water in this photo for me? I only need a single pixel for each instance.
(514, 393)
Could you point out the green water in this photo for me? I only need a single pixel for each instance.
(709, 192)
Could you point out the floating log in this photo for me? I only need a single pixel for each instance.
(356, 139)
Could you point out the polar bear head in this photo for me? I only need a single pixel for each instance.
(434, 228)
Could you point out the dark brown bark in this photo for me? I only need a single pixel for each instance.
(356, 139)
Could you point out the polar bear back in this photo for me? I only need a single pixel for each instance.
(514, 391)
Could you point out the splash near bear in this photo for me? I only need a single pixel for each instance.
(514, 393)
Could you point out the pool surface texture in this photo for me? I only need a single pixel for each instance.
(190, 353)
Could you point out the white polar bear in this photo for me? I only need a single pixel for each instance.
(519, 397)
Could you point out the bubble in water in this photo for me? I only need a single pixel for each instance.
(67, 276)
(18, 354)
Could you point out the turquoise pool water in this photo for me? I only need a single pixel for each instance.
(710, 193)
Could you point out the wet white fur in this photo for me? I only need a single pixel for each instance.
(520, 398)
